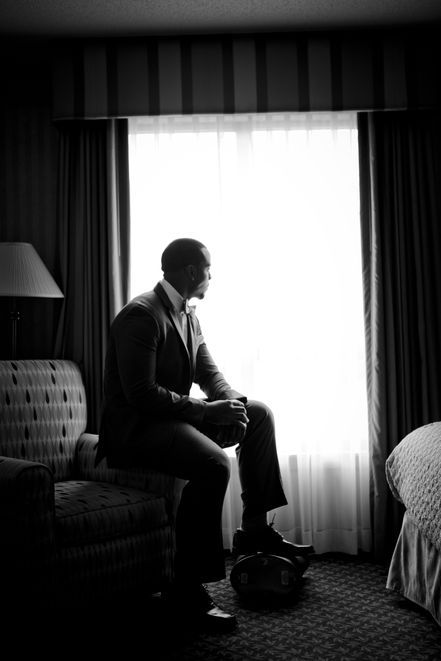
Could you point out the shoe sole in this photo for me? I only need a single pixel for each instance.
(289, 553)
(217, 624)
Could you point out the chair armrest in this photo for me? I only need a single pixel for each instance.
(27, 519)
(137, 478)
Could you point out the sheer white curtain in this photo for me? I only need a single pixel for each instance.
(275, 199)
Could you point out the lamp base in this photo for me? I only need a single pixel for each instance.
(15, 318)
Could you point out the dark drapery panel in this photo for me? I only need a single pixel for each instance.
(400, 188)
(278, 72)
(93, 208)
(28, 169)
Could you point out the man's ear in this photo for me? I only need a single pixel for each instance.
(191, 271)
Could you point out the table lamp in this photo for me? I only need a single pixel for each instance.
(23, 274)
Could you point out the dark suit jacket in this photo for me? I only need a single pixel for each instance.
(149, 371)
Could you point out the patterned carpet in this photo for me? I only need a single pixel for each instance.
(342, 612)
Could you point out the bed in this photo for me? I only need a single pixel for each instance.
(413, 472)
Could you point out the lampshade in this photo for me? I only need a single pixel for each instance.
(22, 273)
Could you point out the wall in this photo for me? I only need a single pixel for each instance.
(28, 176)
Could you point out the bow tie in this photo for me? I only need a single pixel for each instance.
(186, 308)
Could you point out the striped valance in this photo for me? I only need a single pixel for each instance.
(255, 73)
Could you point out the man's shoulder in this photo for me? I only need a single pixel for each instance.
(148, 303)
(145, 300)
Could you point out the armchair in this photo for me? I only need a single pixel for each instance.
(67, 528)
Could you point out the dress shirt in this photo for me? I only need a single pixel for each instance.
(179, 304)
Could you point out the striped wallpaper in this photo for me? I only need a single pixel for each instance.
(256, 73)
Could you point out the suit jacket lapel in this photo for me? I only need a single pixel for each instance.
(174, 316)
(191, 339)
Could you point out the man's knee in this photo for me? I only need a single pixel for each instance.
(222, 467)
(216, 469)
(259, 412)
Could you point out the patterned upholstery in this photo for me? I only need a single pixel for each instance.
(138, 562)
(89, 512)
(68, 528)
(42, 412)
(140, 478)
(27, 512)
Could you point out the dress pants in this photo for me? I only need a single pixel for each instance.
(180, 449)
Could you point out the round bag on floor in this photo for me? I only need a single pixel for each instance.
(261, 576)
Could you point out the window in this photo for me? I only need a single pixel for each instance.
(275, 199)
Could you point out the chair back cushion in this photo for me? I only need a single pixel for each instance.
(42, 412)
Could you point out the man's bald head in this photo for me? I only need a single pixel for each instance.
(186, 265)
(180, 253)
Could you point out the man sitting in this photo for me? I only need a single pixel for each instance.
(156, 352)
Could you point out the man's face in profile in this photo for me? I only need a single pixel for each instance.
(203, 275)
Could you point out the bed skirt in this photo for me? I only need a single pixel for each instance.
(415, 569)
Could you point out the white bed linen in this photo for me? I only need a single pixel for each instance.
(415, 569)
(413, 471)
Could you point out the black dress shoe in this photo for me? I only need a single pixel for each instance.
(194, 606)
(268, 540)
